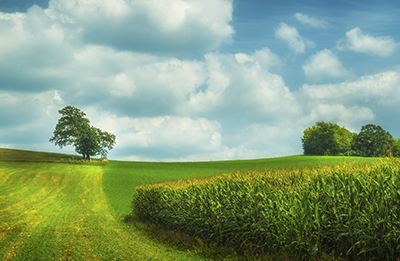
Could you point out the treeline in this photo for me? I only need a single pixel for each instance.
(325, 138)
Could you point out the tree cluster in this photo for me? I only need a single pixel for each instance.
(325, 138)
(74, 129)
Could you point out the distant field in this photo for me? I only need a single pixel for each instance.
(54, 208)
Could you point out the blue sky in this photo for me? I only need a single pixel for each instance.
(189, 80)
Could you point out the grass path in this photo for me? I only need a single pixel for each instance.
(53, 211)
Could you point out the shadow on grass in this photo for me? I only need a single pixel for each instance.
(184, 242)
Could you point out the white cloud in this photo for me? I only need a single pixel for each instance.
(241, 83)
(340, 114)
(290, 35)
(27, 118)
(311, 21)
(324, 64)
(166, 132)
(149, 25)
(104, 58)
(364, 43)
(382, 87)
(370, 98)
(122, 86)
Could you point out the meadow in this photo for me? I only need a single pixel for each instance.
(52, 207)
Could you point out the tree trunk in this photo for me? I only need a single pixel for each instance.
(88, 157)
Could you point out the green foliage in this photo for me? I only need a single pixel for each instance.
(74, 129)
(396, 148)
(373, 141)
(350, 210)
(326, 139)
(330, 139)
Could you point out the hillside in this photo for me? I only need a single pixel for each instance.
(52, 208)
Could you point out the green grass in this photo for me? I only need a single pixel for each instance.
(12, 155)
(52, 208)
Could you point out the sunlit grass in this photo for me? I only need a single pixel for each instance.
(53, 207)
(59, 211)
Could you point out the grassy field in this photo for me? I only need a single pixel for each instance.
(54, 208)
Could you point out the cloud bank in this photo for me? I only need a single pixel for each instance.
(121, 63)
(149, 26)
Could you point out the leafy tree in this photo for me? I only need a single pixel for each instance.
(74, 129)
(105, 141)
(325, 138)
(396, 148)
(373, 141)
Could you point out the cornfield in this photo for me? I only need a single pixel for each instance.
(349, 210)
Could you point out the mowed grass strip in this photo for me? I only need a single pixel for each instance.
(55, 211)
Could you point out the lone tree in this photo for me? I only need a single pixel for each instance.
(74, 129)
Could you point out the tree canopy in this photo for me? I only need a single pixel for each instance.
(325, 138)
(373, 141)
(74, 129)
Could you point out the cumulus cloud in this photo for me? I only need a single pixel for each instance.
(340, 114)
(311, 21)
(290, 35)
(198, 135)
(149, 26)
(364, 43)
(25, 117)
(324, 64)
(382, 87)
(35, 46)
(351, 103)
(242, 83)
(112, 60)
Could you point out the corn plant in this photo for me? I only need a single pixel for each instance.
(351, 210)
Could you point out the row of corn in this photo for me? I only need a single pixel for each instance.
(349, 210)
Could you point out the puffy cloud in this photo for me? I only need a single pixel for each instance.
(290, 35)
(110, 59)
(160, 133)
(149, 25)
(122, 86)
(382, 87)
(35, 46)
(324, 64)
(338, 113)
(363, 43)
(241, 84)
(352, 103)
(311, 21)
(26, 117)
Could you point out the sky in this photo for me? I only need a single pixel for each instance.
(190, 80)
